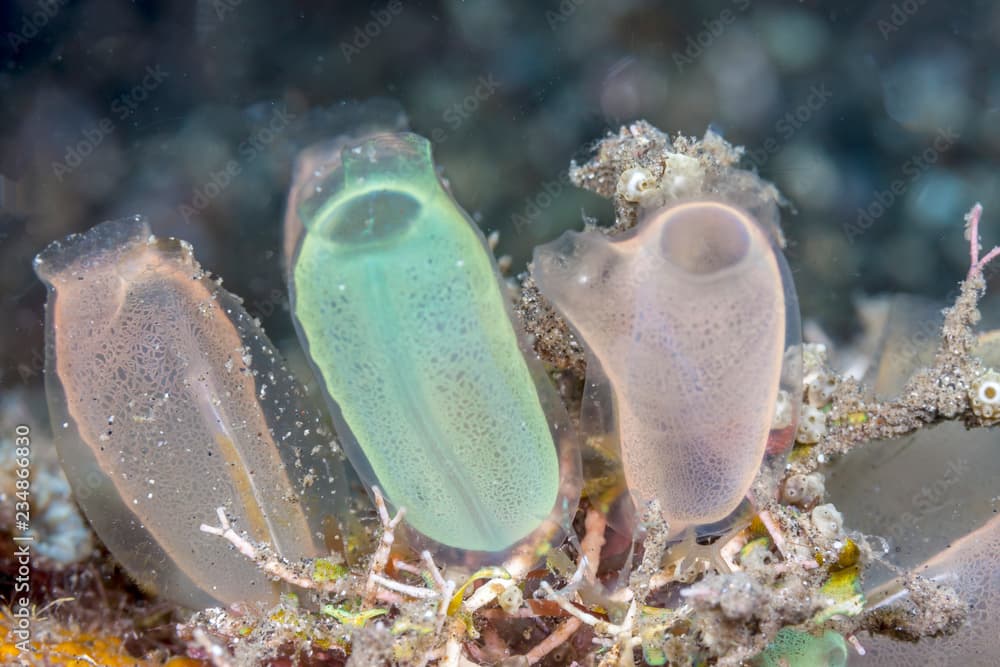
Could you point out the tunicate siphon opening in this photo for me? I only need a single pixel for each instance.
(373, 216)
(704, 237)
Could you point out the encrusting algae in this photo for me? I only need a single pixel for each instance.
(58, 646)
(779, 582)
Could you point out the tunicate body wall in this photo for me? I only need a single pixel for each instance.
(167, 401)
(691, 325)
(439, 402)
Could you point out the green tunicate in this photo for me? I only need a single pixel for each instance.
(398, 301)
(793, 648)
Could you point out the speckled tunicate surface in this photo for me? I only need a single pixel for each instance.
(685, 316)
(971, 566)
(168, 401)
(793, 648)
(398, 302)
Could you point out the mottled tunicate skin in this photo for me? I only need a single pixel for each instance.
(970, 566)
(794, 648)
(168, 401)
(685, 318)
(398, 303)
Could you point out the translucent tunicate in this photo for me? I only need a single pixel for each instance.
(168, 401)
(399, 304)
(686, 319)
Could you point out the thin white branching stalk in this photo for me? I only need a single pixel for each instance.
(446, 588)
(381, 556)
(600, 626)
(268, 562)
(856, 645)
(976, 264)
(216, 653)
(560, 636)
(617, 634)
(590, 560)
(406, 589)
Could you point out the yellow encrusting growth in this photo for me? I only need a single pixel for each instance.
(58, 646)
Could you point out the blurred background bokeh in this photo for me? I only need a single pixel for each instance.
(880, 121)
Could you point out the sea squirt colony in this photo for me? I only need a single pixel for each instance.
(168, 400)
